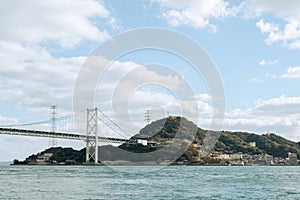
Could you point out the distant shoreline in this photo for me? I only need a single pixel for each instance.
(142, 164)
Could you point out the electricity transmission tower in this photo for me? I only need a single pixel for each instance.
(148, 116)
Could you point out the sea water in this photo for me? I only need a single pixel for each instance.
(173, 182)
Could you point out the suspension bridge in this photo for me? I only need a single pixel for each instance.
(84, 125)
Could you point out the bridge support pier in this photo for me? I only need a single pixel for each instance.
(92, 136)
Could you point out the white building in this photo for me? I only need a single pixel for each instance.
(252, 144)
(224, 156)
(236, 156)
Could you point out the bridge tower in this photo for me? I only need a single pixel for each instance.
(92, 136)
(53, 140)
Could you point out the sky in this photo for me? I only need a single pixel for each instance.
(254, 44)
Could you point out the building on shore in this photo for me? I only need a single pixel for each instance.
(236, 156)
(44, 158)
(224, 156)
(268, 159)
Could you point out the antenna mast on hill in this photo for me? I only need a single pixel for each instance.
(53, 141)
(148, 116)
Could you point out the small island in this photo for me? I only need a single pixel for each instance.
(232, 148)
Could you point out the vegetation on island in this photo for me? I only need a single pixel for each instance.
(59, 155)
(164, 131)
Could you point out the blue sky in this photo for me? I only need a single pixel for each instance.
(255, 45)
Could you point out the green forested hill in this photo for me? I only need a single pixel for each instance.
(271, 144)
(228, 142)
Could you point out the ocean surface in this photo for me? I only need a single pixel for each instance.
(173, 182)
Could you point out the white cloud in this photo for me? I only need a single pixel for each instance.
(129, 75)
(203, 97)
(66, 22)
(289, 12)
(292, 72)
(238, 113)
(31, 77)
(256, 80)
(195, 13)
(289, 37)
(270, 104)
(142, 87)
(279, 8)
(268, 62)
(279, 115)
(266, 27)
(199, 14)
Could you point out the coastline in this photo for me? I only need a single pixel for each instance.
(127, 163)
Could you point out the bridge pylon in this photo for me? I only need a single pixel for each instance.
(92, 136)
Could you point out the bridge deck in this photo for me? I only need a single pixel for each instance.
(61, 135)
